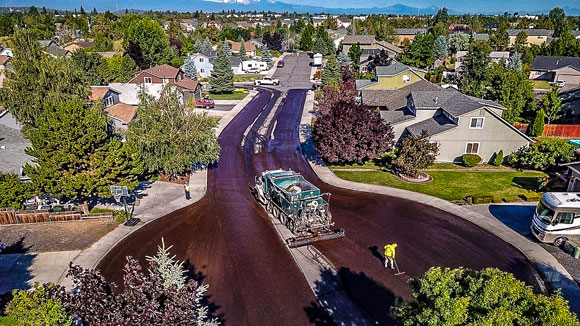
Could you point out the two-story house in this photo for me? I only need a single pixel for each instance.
(204, 63)
(407, 34)
(495, 56)
(248, 46)
(163, 74)
(460, 124)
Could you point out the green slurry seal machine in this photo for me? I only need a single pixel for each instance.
(297, 204)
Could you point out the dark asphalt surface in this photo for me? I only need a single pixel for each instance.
(229, 242)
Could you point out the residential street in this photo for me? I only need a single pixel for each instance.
(229, 242)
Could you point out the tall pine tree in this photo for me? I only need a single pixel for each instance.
(189, 69)
(222, 76)
(267, 56)
(243, 55)
(331, 72)
(76, 155)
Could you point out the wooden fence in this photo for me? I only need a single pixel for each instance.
(12, 216)
(554, 130)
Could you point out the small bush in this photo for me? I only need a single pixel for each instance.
(497, 199)
(532, 196)
(512, 199)
(470, 160)
(498, 159)
(482, 199)
(469, 200)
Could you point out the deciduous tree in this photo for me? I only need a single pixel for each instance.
(147, 43)
(475, 66)
(354, 52)
(487, 297)
(121, 68)
(350, 132)
(170, 136)
(14, 192)
(420, 52)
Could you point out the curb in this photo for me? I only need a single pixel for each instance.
(550, 269)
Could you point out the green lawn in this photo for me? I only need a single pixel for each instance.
(541, 84)
(246, 77)
(232, 96)
(450, 185)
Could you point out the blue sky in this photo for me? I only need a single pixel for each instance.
(473, 6)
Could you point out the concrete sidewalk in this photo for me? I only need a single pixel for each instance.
(552, 271)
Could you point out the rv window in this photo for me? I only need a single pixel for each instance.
(544, 214)
(566, 218)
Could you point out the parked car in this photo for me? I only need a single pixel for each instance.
(280, 64)
(205, 103)
(267, 81)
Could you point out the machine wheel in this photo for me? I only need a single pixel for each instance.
(269, 207)
(281, 217)
(558, 242)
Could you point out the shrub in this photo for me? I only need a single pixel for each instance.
(470, 160)
(512, 199)
(532, 196)
(386, 160)
(498, 159)
(36, 307)
(496, 199)
(482, 199)
(548, 153)
(537, 128)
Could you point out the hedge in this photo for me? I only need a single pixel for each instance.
(470, 160)
(532, 196)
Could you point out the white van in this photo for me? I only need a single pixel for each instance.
(557, 218)
(254, 66)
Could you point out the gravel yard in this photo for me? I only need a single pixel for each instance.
(56, 236)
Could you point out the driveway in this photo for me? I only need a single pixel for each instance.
(518, 217)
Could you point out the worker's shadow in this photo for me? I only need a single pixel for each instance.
(377, 254)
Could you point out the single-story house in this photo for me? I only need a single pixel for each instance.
(407, 34)
(566, 69)
(458, 28)
(79, 45)
(534, 36)
(188, 25)
(54, 49)
(343, 22)
(368, 42)
(12, 146)
(394, 76)
(460, 124)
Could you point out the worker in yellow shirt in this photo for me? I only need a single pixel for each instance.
(390, 255)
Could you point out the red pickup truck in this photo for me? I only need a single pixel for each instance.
(204, 103)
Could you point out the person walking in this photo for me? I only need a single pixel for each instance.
(390, 255)
(186, 188)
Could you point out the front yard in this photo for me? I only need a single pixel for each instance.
(235, 96)
(540, 84)
(246, 77)
(454, 184)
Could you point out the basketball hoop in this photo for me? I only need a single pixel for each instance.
(119, 192)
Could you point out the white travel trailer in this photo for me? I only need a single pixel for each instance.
(317, 59)
(557, 218)
(254, 66)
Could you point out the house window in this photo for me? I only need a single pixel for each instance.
(202, 70)
(200, 60)
(165, 80)
(147, 80)
(406, 78)
(476, 123)
(540, 37)
(109, 101)
(472, 148)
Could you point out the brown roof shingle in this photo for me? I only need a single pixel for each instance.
(122, 111)
(237, 45)
(98, 92)
(394, 99)
(163, 71)
(187, 84)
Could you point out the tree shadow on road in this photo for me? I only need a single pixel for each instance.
(212, 308)
(368, 296)
(15, 263)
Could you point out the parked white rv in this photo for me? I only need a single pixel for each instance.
(557, 218)
(317, 59)
(254, 65)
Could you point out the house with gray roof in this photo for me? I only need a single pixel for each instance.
(369, 42)
(554, 69)
(12, 146)
(460, 124)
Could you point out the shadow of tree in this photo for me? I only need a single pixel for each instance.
(369, 302)
(212, 308)
(15, 263)
(528, 183)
